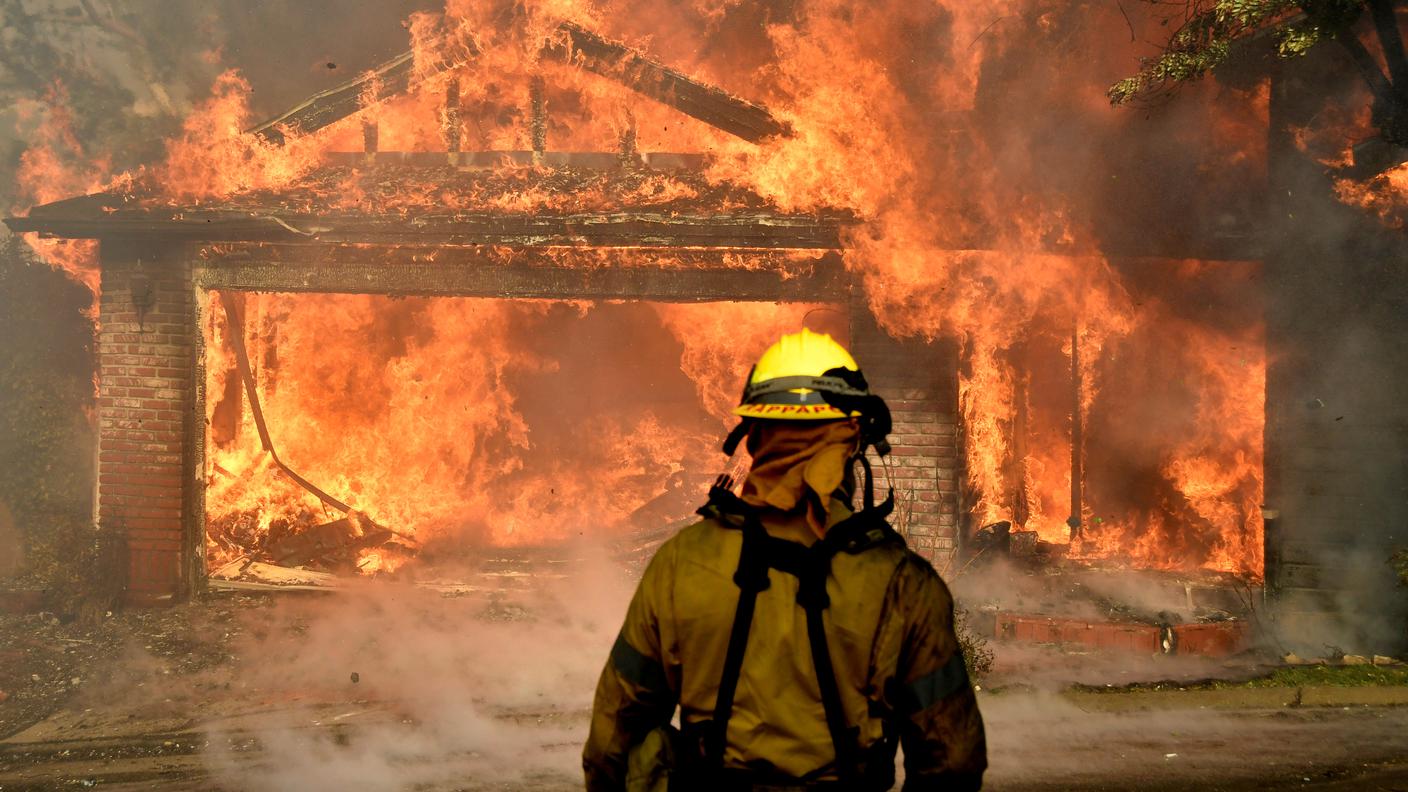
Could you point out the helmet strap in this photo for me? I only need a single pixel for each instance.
(868, 493)
(874, 414)
(736, 436)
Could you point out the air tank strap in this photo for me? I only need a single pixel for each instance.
(811, 565)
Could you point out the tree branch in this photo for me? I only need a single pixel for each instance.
(112, 24)
(1386, 24)
(137, 52)
(1368, 69)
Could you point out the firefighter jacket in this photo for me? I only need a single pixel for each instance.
(890, 632)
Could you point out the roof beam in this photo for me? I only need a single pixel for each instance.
(328, 107)
(575, 45)
(464, 278)
(102, 216)
(650, 78)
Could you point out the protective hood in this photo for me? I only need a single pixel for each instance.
(799, 465)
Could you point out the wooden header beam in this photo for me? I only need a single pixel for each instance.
(101, 216)
(465, 276)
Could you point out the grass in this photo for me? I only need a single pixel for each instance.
(1281, 677)
(1328, 676)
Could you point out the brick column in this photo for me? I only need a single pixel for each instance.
(919, 380)
(145, 412)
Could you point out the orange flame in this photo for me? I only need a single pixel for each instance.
(967, 233)
(1385, 195)
(438, 419)
(54, 166)
(214, 158)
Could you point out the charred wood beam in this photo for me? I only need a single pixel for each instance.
(490, 160)
(371, 136)
(825, 282)
(1385, 17)
(1017, 473)
(452, 116)
(1077, 437)
(1368, 67)
(651, 78)
(630, 148)
(576, 45)
(315, 253)
(1374, 156)
(538, 114)
(96, 218)
(1390, 112)
(330, 106)
(101, 216)
(1390, 107)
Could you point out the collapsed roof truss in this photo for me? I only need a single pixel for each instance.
(273, 218)
(575, 45)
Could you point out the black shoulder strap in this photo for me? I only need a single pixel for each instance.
(812, 567)
(751, 578)
(812, 596)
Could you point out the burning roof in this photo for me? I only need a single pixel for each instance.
(622, 198)
(569, 43)
(521, 205)
(979, 226)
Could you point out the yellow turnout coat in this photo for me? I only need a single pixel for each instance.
(889, 628)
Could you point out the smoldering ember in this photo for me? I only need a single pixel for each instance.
(357, 359)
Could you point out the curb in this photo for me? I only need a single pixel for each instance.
(1210, 639)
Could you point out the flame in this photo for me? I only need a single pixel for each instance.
(1385, 196)
(923, 120)
(55, 165)
(414, 412)
(720, 340)
(213, 157)
(1344, 122)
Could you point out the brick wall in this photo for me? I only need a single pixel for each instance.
(919, 381)
(145, 406)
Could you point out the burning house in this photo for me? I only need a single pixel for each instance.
(210, 310)
(499, 294)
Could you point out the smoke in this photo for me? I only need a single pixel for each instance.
(1340, 509)
(1004, 204)
(388, 687)
(1044, 742)
(492, 691)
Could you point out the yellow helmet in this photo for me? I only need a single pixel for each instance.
(793, 378)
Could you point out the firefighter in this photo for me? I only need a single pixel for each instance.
(800, 639)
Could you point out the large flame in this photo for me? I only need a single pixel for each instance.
(466, 422)
(955, 131)
(55, 165)
(1330, 139)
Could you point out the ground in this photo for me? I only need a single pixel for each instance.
(397, 687)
